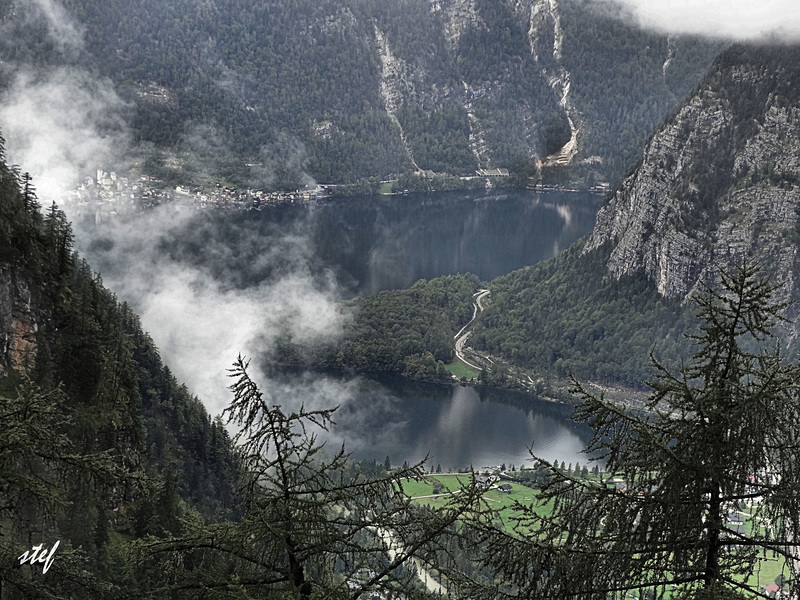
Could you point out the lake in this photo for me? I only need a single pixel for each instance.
(374, 243)
(206, 284)
(454, 426)
(392, 242)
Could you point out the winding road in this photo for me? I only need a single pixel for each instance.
(394, 548)
(462, 336)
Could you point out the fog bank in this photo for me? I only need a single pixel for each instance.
(734, 20)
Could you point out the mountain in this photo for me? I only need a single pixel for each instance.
(718, 181)
(99, 443)
(717, 185)
(343, 90)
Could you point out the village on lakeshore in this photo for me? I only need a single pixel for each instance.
(109, 193)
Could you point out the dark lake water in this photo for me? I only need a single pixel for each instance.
(203, 283)
(455, 426)
(391, 243)
(374, 243)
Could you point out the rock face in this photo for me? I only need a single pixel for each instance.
(396, 81)
(546, 32)
(481, 99)
(18, 323)
(718, 183)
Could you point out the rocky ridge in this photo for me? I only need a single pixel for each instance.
(19, 323)
(717, 184)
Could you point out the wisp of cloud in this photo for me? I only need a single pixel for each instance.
(735, 20)
(200, 321)
(60, 125)
(61, 28)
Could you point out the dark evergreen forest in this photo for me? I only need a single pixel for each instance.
(100, 443)
(344, 90)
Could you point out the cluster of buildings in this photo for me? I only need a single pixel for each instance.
(600, 188)
(109, 194)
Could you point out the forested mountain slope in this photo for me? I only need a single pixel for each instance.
(718, 185)
(342, 90)
(98, 439)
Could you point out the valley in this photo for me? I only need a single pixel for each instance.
(351, 248)
(345, 225)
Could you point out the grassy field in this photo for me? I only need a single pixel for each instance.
(450, 483)
(507, 507)
(460, 370)
(767, 570)
(385, 188)
(504, 503)
(507, 504)
(418, 488)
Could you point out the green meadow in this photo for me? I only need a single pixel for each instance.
(507, 506)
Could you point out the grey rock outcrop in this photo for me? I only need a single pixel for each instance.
(718, 183)
(18, 323)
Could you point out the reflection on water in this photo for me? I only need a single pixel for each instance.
(374, 243)
(456, 427)
(384, 243)
(324, 253)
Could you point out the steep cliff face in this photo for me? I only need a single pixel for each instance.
(19, 323)
(718, 183)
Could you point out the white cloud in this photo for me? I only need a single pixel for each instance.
(201, 323)
(736, 20)
(200, 328)
(67, 34)
(60, 126)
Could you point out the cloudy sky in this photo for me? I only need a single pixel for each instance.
(738, 20)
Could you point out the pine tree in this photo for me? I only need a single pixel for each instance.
(308, 530)
(715, 437)
(38, 463)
